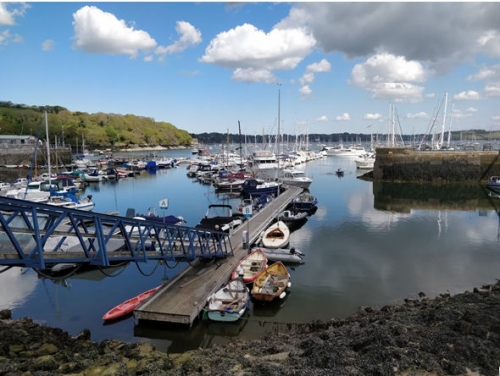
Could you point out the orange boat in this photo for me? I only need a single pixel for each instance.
(271, 283)
(128, 306)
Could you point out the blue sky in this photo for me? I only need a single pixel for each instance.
(335, 67)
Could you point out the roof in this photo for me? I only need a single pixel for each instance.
(15, 137)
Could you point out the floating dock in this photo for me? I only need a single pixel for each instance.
(181, 300)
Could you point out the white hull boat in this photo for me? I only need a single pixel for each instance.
(295, 178)
(276, 236)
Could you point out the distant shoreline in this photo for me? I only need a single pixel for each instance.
(151, 148)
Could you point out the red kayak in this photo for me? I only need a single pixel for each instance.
(128, 306)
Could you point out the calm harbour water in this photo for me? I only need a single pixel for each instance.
(368, 244)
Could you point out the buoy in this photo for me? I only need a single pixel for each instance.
(282, 295)
(289, 284)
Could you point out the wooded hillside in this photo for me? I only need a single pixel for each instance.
(98, 130)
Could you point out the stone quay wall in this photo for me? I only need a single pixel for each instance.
(408, 165)
(22, 155)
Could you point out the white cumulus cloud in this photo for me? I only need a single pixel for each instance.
(492, 89)
(489, 41)
(418, 115)
(457, 114)
(344, 117)
(189, 36)
(375, 116)
(7, 16)
(466, 95)
(390, 77)
(253, 75)
(247, 48)
(308, 77)
(101, 32)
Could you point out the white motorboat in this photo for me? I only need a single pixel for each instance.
(296, 178)
(341, 151)
(365, 162)
(70, 201)
(93, 175)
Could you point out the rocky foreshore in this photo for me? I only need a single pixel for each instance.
(447, 335)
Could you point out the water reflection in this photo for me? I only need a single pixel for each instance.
(15, 287)
(404, 197)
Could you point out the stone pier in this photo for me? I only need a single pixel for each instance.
(406, 164)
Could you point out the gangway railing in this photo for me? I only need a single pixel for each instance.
(35, 234)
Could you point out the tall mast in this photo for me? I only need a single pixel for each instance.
(441, 139)
(449, 127)
(48, 144)
(279, 110)
(241, 151)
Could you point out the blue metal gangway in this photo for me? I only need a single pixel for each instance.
(35, 234)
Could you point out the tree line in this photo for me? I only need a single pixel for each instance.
(100, 130)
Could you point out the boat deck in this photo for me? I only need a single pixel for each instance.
(182, 299)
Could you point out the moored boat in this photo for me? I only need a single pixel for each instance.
(70, 201)
(228, 303)
(295, 177)
(494, 183)
(250, 266)
(293, 219)
(303, 202)
(286, 255)
(128, 306)
(365, 162)
(93, 175)
(255, 187)
(220, 217)
(152, 215)
(271, 283)
(276, 236)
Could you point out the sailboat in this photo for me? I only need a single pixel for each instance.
(83, 160)
(51, 191)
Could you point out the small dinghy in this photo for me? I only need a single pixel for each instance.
(276, 236)
(250, 266)
(229, 303)
(271, 283)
